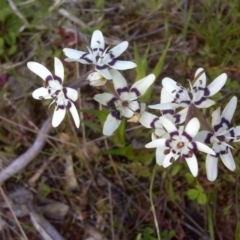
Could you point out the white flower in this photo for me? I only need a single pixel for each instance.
(197, 94)
(179, 144)
(99, 56)
(125, 103)
(220, 139)
(63, 97)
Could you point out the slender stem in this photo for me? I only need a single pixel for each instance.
(81, 81)
(152, 204)
(202, 120)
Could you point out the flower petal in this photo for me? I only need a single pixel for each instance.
(159, 156)
(211, 167)
(204, 103)
(97, 41)
(71, 93)
(168, 160)
(192, 164)
(74, 112)
(148, 119)
(201, 81)
(168, 125)
(110, 125)
(41, 93)
(192, 127)
(58, 115)
(228, 160)
(40, 70)
(141, 86)
(204, 148)
(119, 82)
(161, 106)
(122, 65)
(104, 72)
(59, 70)
(157, 143)
(216, 85)
(229, 110)
(74, 55)
(119, 49)
(104, 98)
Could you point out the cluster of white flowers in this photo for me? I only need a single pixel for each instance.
(175, 133)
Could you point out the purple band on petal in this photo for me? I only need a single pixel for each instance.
(101, 67)
(58, 79)
(85, 58)
(177, 118)
(175, 133)
(206, 92)
(200, 101)
(112, 63)
(152, 124)
(65, 92)
(218, 126)
(69, 104)
(187, 136)
(122, 90)
(194, 145)
(186, 102)
(61, 107)
(48, 78)
(135, 90)
(232, 134)
(116, 114)
(168, 111)
(98, 49)
(208, 138)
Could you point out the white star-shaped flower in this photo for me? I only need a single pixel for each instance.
(124, 104)
(102, 58)
(220, 139)
(179, 144)
(63, 97)
(197, 95)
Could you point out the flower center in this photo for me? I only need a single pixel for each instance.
(125, 103)
(180, 145)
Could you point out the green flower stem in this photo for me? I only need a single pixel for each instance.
(152, 204)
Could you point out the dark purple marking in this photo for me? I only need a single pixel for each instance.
(175, 133)
(194, 145)
(48, 78)
(208, 138)
(111, 55)
(232, 134)
(200, 101)
(112, 63)
(218, 126)
(186, 101)
(101, 67)
(98, 49)
(135, 90)
(185, 134)
(69, 105)
(61, 107)
(206, 92)
(177, 118)
(167, 143)
(168, 111)
(85, 58)
(152, 124)
(58, 79)
(117, 115)
(122, 90)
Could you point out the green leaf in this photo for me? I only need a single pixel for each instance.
(12, 49)
(192, 193)
(202, 198)
(10, 38)
(120, 134)
(176, 168)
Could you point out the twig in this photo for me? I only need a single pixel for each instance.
(23, 160)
